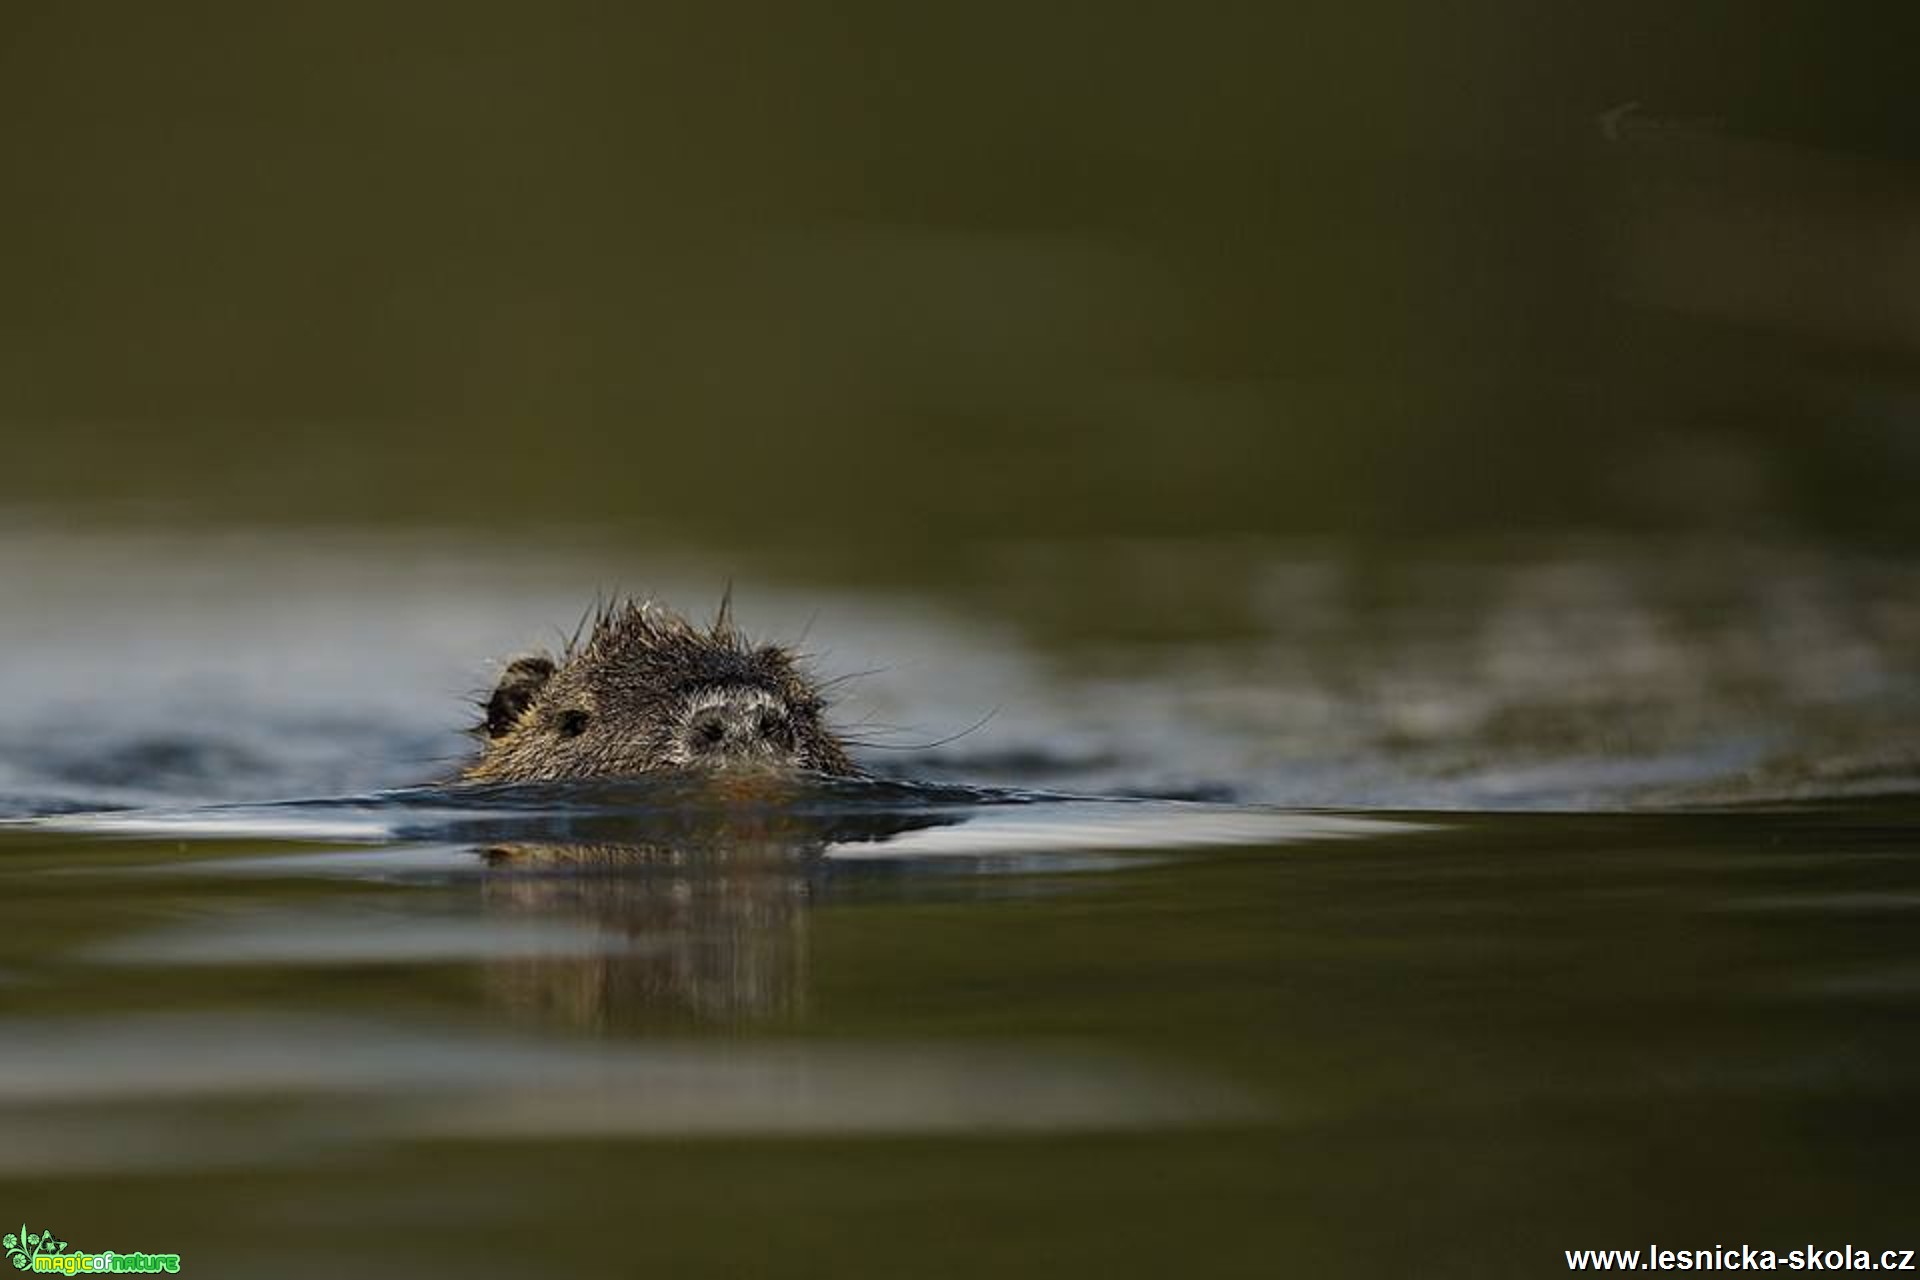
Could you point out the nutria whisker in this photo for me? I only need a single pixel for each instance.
(869, 744)
(837, 681)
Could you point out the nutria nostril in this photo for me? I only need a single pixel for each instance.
(647, 690)
(707, 733)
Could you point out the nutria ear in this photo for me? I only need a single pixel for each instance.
(524, 679)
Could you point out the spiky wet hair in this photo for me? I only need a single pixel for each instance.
(618, 698)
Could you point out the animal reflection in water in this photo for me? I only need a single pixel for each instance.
(701, 918)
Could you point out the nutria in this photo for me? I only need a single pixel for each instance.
(647, 690)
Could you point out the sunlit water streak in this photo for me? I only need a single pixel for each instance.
(392, 1082)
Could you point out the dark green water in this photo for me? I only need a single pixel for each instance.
(1449, 1045)
(1498, 901)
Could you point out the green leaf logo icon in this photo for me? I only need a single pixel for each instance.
(22, 1248)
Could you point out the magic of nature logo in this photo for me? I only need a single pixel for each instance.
(39, 1251)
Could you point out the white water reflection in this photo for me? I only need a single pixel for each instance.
(1062, 832)
(1047, 829)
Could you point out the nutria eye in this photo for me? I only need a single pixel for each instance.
(573, 723)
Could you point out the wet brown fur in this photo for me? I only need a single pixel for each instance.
(627, 699)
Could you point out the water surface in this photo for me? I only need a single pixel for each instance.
(1346, 919)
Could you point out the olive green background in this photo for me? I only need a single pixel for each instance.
(887, 275)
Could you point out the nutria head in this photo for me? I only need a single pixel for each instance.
(647, 690)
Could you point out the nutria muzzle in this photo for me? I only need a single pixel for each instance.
(738, 726)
